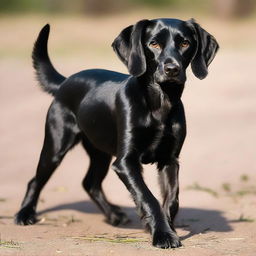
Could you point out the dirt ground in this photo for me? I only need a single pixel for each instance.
(218, 168)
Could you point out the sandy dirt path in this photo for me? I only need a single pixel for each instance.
(218, 166)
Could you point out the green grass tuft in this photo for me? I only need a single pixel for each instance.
(117, 239)
(9, 244)
(244, 178)
(244, 219)
(226, 187)
(198, 187)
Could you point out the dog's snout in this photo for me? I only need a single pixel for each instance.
(171, 69)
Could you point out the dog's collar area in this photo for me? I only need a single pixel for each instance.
(173, 90)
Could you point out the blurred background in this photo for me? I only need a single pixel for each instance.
(227, 8)
(220, 110)
(218, 157)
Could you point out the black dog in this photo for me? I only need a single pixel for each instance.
(138, 118)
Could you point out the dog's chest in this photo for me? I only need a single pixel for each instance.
(158, 143)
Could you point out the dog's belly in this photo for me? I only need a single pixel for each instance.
(97, 123)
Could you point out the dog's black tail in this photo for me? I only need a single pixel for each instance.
(46, 74)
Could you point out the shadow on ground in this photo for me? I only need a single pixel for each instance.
(198, 221)
(194, 220)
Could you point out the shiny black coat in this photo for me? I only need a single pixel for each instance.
(138, 118)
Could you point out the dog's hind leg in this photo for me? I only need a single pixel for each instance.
(92, 183)
(61, 134)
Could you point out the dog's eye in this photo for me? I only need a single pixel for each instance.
(155, 45)
(184, 44)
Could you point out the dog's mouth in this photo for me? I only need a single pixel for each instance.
(164, 79)
(174, 80)
(171, 84)
(171, 81)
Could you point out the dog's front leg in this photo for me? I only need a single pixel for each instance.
(128, 169)
(169, 182)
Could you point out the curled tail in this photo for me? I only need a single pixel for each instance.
(46, 74)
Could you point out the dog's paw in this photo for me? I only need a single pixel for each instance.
(117, 217)
(166, 240)
(25, 216)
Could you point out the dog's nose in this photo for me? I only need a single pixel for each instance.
(171, 69)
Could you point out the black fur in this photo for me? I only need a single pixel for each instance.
(138, 118)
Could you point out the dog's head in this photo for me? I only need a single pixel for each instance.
(163, 49)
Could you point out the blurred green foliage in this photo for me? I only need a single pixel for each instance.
(20, 5)
(91, 5)
(38, 5)
(95, 6)
(157, 3)
(228, 8)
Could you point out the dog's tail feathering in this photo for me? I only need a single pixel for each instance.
(46, 74)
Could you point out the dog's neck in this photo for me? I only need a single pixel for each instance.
(161, 97)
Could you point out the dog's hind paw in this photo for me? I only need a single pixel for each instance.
(166, 240)
(25, 217)
(117, 216)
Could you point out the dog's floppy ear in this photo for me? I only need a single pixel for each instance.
(129, 48)
(207, 48)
